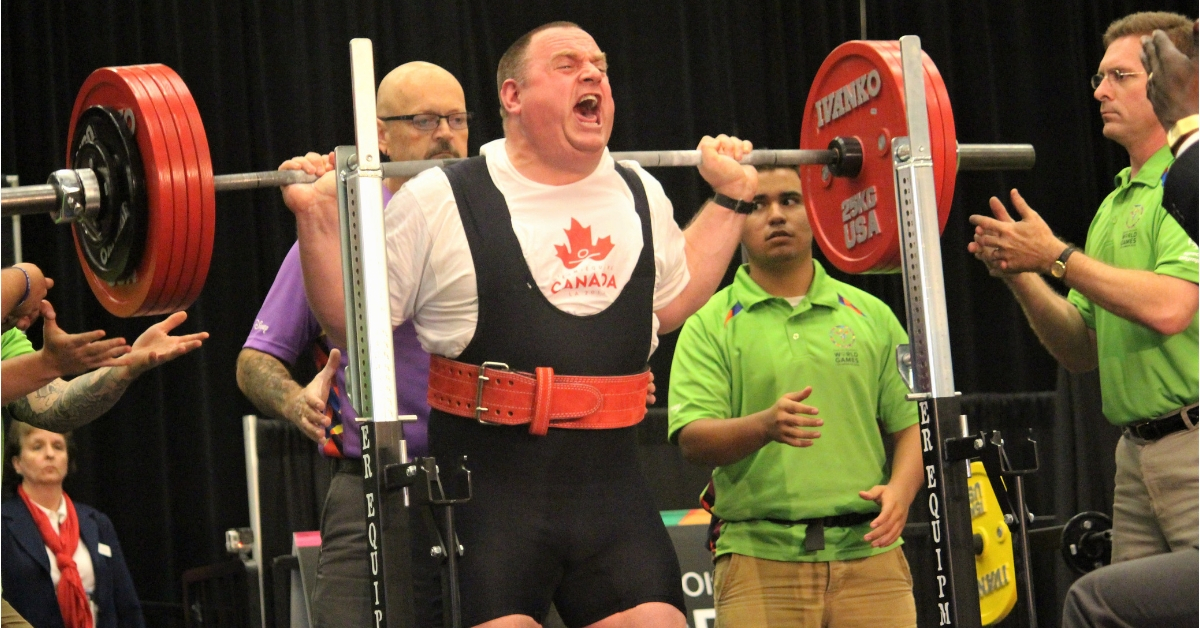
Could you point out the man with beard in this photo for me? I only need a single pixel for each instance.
(422, 115)
(547, 256)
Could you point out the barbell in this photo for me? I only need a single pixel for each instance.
(140, 191)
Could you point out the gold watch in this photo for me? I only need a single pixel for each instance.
(1059, 268)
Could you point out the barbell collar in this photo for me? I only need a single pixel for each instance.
(77, 195)
(848, 157)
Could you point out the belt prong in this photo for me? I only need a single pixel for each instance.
(481, 379)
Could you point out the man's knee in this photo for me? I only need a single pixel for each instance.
(1079, 603)
(648, 614)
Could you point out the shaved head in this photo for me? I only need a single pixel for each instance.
(404, 86)
(419, 87)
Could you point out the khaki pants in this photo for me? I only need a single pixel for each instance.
(754, 592)
(11, 618)
(1155, 500)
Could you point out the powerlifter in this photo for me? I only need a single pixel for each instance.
(546, 256)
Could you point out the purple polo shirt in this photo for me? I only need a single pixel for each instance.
(285, 327)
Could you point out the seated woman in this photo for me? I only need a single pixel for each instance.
(62, 565)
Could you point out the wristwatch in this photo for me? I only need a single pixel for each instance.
(1059, 268)
(737, 205)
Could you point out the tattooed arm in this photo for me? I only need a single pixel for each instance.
(266, 382)
(61, 406)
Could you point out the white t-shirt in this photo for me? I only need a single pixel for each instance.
(580, 241)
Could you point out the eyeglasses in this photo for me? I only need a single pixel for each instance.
(430, 121)
(1116, 77)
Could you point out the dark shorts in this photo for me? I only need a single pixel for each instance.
(566, 518)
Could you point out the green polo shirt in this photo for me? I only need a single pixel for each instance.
(1143, 374)
(14, 343)
(744, 350)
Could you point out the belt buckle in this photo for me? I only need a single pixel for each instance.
(480, 380)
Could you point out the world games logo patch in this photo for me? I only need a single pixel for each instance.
(1129, 236)
(842, 337)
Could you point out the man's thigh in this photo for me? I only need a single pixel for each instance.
(341, 596)
(1169, 467)
(1157, 590)
(757, 593)
(874, 591)
(1136, 532)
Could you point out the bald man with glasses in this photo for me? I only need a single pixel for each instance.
(423, 115)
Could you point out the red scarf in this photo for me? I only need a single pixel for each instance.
(72, 599)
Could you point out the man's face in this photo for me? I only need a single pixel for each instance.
(566, 104)
(43, 458)
(1127, 113)
(424, 92)
(778, 229)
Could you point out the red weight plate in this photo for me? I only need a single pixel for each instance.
(107, 87)
(190, 248)
(949, 143)
(858, 92)
(942, 138)
(178, 172)
(208, 197)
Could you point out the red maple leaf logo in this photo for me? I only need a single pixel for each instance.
(580, 246)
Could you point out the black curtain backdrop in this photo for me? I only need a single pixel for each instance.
(271, 80)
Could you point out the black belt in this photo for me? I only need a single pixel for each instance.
(1154, 429)
(814, 536)
(352, 466)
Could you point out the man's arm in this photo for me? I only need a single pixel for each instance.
(713, 235)
(316, 209)
(1056, 322)
(1159, 302)
(717, 442)
(897, 495)
(266, 382)
(18, 305)
(62, 406)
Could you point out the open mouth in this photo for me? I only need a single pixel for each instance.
(587, 110)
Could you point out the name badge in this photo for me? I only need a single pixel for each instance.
(104, 550)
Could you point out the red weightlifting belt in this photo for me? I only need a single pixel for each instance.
(494, 394)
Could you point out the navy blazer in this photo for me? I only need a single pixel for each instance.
(25, 569)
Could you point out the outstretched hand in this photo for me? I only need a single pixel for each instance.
(306, 408)
(893, 514)
(319, 196)
(72, 354)
(157, 346)
(1009, 246)
(719, 157)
